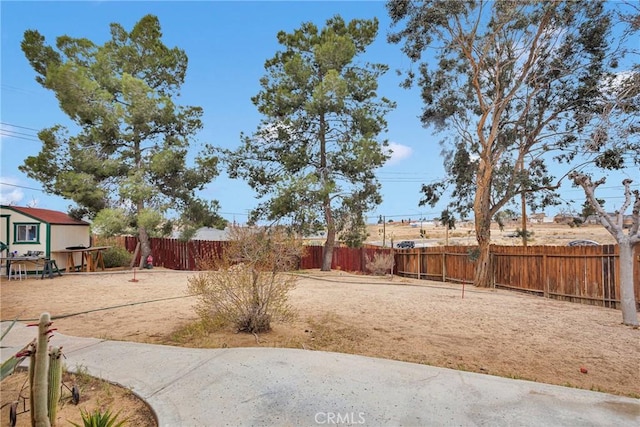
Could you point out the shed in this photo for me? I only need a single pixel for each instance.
(25, 229)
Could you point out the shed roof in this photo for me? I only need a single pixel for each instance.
(47, 215)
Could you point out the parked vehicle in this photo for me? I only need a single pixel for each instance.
(406, 244)
(583, 243)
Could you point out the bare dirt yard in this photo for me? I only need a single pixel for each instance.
(496, 332)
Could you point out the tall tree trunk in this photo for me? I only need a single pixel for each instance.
(482, 210)
(145, 245)
(627, 294)
(143, 236)
(483, 274)
(327, 250)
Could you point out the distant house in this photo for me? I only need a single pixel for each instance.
(564, 218)
(208, 233)
(592, 219)
(627, 220)
(25, 230)
(540, 218)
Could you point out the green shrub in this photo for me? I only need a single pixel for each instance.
(528, 234)
(116, 256)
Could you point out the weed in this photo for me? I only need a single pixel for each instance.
(463, 367)
(380, 264)
(330, 333)
(106, 390)
(81, 376)
(193, 331)
(515, 377)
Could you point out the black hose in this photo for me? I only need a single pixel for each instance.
(63, 316)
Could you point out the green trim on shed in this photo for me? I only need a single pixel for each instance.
(48, 241)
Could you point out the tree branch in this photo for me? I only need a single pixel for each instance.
(614, 226)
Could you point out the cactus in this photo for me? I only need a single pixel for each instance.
(40, 373)
(45, 374)
(32, 368)
(55, 383)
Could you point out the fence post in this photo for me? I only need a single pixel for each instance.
(492, 265)
(545, 276)
(444, 264)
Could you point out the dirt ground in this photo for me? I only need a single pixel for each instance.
(94, 395)
(496, 332)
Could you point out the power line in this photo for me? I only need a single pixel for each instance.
(21, 127)
(403, 173)
(8, 135)
(408, 181)
(18, 89)
(17, 133)
(233, 213)
(22, 186)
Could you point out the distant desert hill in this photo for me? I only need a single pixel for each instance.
(464, 234)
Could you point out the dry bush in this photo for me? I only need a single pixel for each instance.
(247, 285)
(380, 264)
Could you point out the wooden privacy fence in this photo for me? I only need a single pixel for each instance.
(175, 254)
(347, 259)
(443, 263)
(586, 274)
(180, 255)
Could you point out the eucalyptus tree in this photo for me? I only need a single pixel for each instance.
(312, 159)
(127, 158)
(509, 81)
(627, 239)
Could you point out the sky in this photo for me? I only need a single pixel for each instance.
(227, 44)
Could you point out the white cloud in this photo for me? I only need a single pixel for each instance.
(398, 152)
(270, 131)
(614, 85)
(10, 195)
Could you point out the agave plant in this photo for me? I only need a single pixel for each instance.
(100, 419)
(9, 366)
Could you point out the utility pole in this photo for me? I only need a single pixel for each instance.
(446, 235)
(384, 231)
